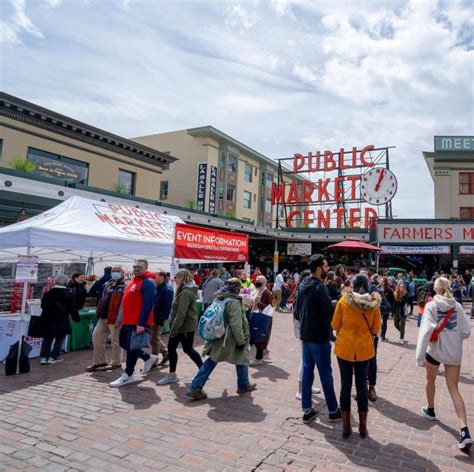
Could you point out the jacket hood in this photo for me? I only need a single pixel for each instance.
(362, 302)
(222, 295)
(444, 303)
(309, 283)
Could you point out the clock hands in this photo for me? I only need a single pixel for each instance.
(382, 174)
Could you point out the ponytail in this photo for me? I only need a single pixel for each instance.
(442, 287)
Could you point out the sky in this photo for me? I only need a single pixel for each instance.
(282, 76)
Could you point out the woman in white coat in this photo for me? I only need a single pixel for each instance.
(443, 328)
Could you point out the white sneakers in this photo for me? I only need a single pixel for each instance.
(124, 379)
(314, 390)
(50, 360)
(149, 364)
(256, 362)
(402, 341)
(43, 361)
(169, 379)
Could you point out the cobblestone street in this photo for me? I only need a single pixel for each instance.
(61, 418)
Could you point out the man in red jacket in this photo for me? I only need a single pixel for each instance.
(136, 318)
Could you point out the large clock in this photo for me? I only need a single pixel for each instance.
(378, 186)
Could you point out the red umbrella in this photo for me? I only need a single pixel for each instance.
(353, 246)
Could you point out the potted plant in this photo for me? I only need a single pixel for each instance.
(24, 165)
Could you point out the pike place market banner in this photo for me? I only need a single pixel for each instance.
(427, 233)
(197, 243)
(430, 250)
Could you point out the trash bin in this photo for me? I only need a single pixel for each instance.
(80, 332)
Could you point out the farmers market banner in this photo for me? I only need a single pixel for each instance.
(197, 243)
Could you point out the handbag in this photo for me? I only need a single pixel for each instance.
(259, 326)
(442, 325)
(140, 341)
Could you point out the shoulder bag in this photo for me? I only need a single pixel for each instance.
(442, 325)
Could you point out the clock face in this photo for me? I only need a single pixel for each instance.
(378, 186)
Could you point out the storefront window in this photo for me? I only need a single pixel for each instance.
(126, 180)
(230, 193)
(248, 173)
(60, 167)
(466, 183)
(164, 190)
(247, 199)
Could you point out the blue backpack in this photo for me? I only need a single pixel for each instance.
(211, 324)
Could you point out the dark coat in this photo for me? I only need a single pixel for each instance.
(162, 304)
(97, 289)
(57, 305)
(80, 294)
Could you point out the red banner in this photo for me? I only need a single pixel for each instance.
(195, 242)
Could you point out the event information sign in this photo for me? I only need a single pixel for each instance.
(197, 243)
(201, 186)
(426, 233)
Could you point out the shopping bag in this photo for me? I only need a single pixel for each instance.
(140, 341)
(259, 325)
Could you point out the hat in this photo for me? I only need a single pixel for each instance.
(234, 283)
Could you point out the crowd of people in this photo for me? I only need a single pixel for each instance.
(351, 310)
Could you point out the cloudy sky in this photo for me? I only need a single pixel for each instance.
(282, 76)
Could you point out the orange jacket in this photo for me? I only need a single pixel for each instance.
(355, 341)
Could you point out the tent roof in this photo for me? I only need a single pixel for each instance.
(81, 224)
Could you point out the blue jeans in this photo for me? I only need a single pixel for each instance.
(206, 369)
(318, 354)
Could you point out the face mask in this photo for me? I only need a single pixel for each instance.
(116, 275)
(258, 284)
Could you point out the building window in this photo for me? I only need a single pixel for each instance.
(230, 193)
(466, 213)
(248, 173)
(164, 190)
(247, 199)
(59, 167)
(268, 206)
(126, 181)
(269, 179)
(466, 183)
(232, 163)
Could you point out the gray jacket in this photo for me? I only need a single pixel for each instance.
(210, 287)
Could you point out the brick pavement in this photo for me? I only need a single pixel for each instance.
(60, 418)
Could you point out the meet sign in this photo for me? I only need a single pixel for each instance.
(453, 143)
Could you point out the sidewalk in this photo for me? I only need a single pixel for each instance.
(60, 418)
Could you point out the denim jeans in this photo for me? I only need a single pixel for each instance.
(55, 352)
(206, 369)
(372, 375)
(384, 324)
(318, 354)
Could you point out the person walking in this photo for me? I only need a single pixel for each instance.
(399, 309)
(210, 287)
(57, 306)
(261, 300)
(443, 329)
(225, 275)
(233, 347)
(136, 317)
(377, 284)
(357, 320)
(315, 313)
(411, 292)
(183, 323)
(277, 290)
(78, 286)
(161, 312)
(98, 286)
(107, 313)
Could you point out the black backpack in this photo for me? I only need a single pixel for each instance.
(12, 358)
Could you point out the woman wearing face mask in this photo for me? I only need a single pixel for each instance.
(261, 299)
(107, 325)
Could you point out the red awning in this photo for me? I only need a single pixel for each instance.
(353, 246)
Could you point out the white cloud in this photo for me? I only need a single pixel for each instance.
(241, 17)
(16, 22)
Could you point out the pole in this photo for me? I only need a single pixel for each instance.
(22, 317)
(275, 260)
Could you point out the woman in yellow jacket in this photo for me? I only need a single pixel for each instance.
(356, 321)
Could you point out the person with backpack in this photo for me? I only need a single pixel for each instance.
(183, 323)
(356, 320)
(262, 301)
(230, 345)
(443, 329)
(57, 306)
(425, 295)
(315, 313)
(400, 309)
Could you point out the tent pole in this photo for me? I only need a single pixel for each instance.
(22, 317)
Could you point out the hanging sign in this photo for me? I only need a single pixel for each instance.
(466, 250)
(197, 243)
(201, 186)
(213, 190)
(299, 249)
(27, 269)
(432, 250)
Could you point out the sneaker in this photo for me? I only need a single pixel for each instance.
(298, 395)
(256, 362)
(337, 416)
(248, 388)
(169, 379)
(164, 360)
(402, 341)
(428, 413)
(124, 379)
(198, 394)
(52, 360)
(153, 360)
(94, 367)
(315, 391)
(465, 441)
(44, 361)
(308, 417)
